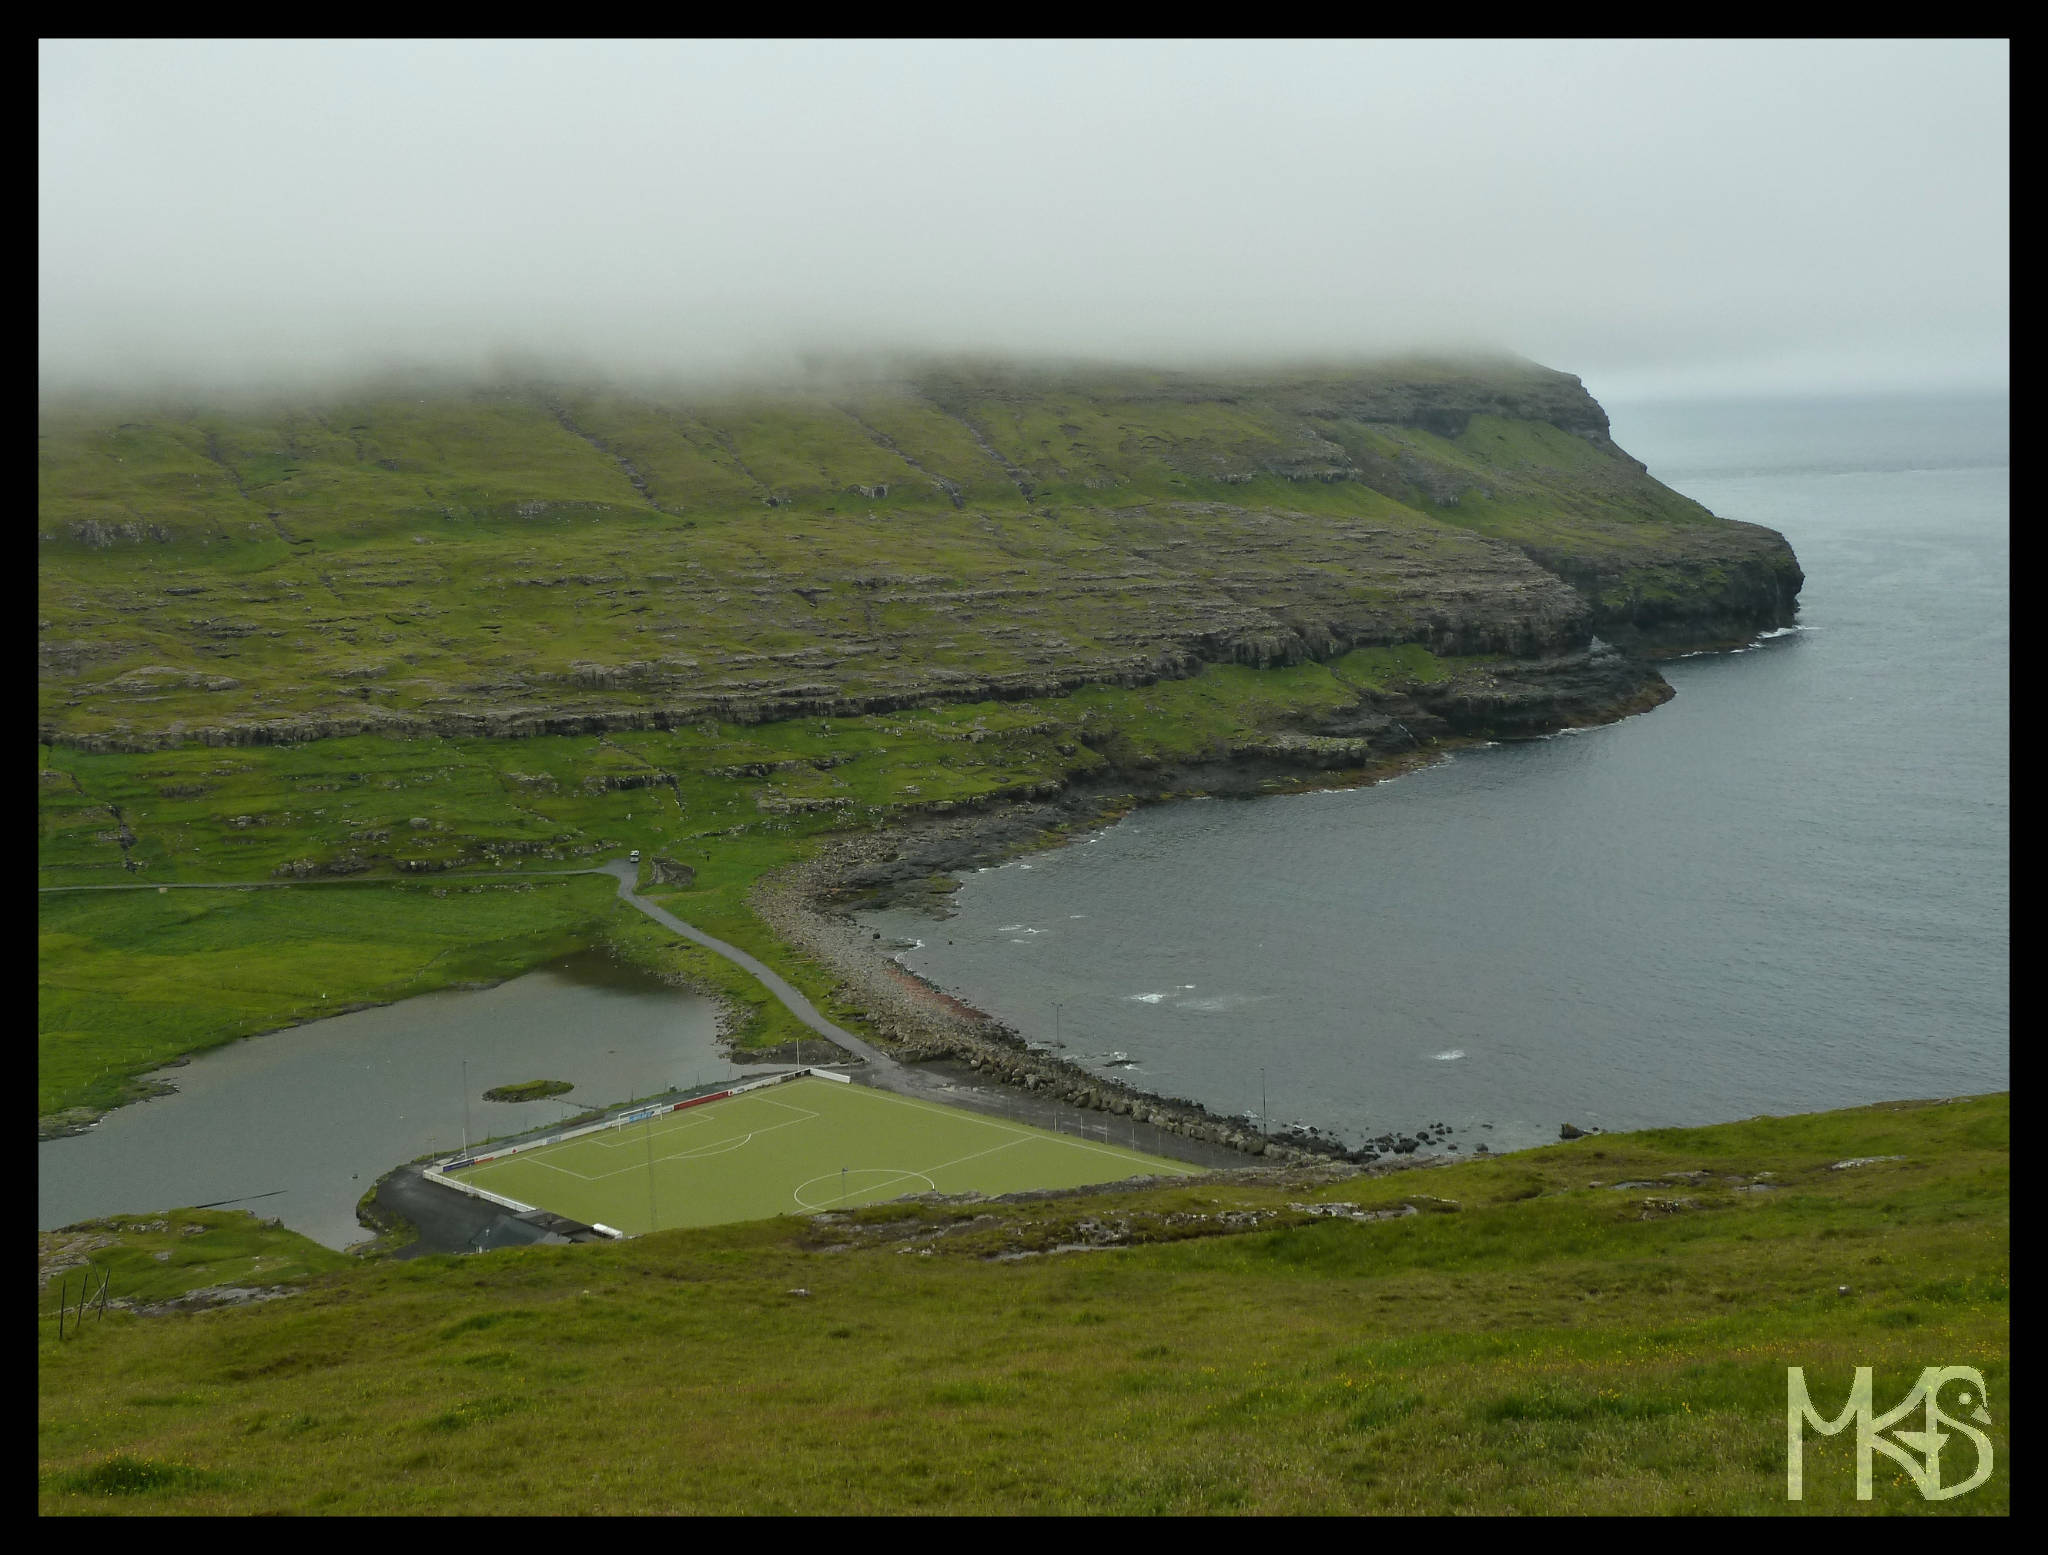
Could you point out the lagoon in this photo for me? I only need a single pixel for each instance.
(299, 1123)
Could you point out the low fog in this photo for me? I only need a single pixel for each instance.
(1662, 218)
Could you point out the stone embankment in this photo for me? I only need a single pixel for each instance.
(919, 1022)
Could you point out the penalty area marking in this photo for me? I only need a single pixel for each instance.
(1115, 1151)
(889, 1177)
(797, 1193)
(717, 1147)
(678, 1122)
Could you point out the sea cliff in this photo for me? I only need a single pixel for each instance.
(538, 559)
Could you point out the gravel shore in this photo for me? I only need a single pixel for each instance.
(990, 1065)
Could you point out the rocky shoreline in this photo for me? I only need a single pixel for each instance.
(921, 1023)
(912, 865)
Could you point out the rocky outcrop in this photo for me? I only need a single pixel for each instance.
(1711, 589)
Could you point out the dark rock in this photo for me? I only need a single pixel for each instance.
(666, 871)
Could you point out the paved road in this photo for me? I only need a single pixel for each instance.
(951, 1083)
(627, 874)
(802, 1008)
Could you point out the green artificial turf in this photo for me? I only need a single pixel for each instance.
(798, 1148)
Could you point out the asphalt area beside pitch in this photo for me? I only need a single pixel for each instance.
(797, 1149)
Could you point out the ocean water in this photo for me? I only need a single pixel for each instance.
(1787, 889)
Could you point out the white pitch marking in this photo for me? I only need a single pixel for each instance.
(540, 1157)
(673, 1122)
(895, 1176)
(696, 1119)
(954, 1112)
(721, 1147)
(1009, 1144)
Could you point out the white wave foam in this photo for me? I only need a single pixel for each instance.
(1214, 1002)
(1145, 998)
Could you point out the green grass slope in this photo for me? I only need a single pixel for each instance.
(534, 558)
(149, 1261)
(1603, 1327)
(129, 980)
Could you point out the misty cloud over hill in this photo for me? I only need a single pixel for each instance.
(1647, 215)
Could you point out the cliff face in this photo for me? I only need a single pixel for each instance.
(1711, 589)
(540, 559)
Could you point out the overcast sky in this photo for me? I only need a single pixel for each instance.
(1661, 218)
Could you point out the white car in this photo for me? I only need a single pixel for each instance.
(633, 857)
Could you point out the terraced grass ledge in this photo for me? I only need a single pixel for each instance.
(528, 558)
(431, 854)
(423, 631)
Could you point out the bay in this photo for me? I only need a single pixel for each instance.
(1785, 890)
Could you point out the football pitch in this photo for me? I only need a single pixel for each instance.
(796, 1149)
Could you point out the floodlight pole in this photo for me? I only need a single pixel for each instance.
(652, 1223)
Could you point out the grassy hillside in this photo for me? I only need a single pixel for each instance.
(287, 642)
(129, 980)
(532, 558)
(1602, 1326)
